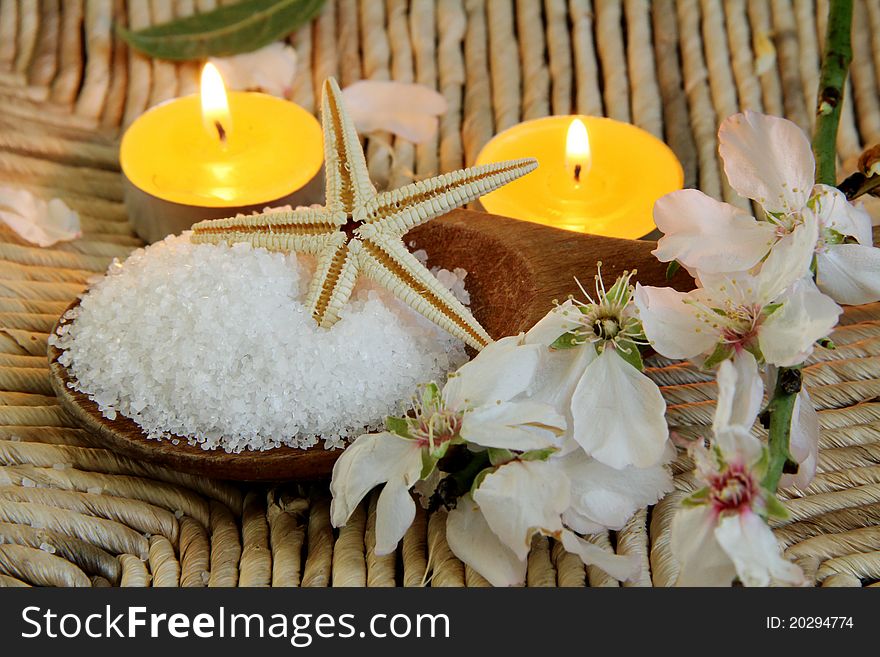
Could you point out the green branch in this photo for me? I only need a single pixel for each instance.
(835, 64)
(781, 409)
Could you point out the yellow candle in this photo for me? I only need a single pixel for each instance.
(595, 175)
(215, 154)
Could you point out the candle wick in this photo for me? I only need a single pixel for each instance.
(577, 173)
(221, 131)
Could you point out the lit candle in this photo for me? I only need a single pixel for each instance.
(595, 175)
(216, 154)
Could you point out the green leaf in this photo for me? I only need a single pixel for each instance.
(619, 292)
(696, 498)
(398, 426)
(722, 353)
(631, 354)
(229, 30)
(498, 456)
(428, 464)
(538, 454)
(672, 269)
(566, 341)
(774, 508)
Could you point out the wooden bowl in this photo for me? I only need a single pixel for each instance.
(515, 271)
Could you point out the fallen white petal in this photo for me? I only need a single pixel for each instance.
(270, 69)
(408, 110)
(35, 220)
(471, 539)
(620, 567)
(603, 497)
(522, 498)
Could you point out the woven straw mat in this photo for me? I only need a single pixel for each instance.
(75, 515)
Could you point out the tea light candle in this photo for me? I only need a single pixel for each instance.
(216, 154)
(595, 175)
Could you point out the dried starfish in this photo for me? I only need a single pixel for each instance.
(360, 232)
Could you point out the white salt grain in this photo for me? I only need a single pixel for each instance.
(28, 483)
(94, 490)
(45, 547)
(213, 344)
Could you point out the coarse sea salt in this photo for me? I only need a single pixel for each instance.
(213, 344)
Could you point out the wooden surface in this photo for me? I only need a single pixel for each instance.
(515, 270)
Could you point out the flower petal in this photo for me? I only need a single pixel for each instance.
(707, 235)
(520, 426)
(701, 560)
(787, 336)
(562, 319)
(35, 220)
(849, 273)
(523, 498)
(620, 567)
(740, 393)
(372, 459)
(408, 110)
(619, 414)
(605, 498)
(836, 212)
(471, 539)
(671, 324)
(756, 554)
(804, 442)
(270, 69)
(395, 511)
(767, 159)
(789, 261)
(501, 371)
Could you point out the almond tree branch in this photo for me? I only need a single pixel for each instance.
(835, 65)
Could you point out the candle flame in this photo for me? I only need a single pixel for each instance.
(215, 105)
(577, 150)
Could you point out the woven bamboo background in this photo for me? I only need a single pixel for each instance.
(76, 515)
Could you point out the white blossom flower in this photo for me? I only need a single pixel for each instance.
(615, 413)
(719, 533)
(474, 406)
(35, 220)
(769, 160)
(492, 529)
(777, 314)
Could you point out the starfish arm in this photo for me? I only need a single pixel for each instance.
(303, 231)
(397, 211)
(347, 179)
(334, 279)
(389, 263)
